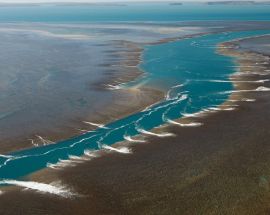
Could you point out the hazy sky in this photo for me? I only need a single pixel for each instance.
(96, 1)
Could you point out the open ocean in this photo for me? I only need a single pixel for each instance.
(133, 12)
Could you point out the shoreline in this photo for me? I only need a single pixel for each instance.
(128, 58)
(141, 97)
(240, 82)
(48, 175)
(220, 169)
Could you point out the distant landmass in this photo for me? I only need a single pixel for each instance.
(176, 3)
(235, 2)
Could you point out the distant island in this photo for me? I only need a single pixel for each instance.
(231, 2)
(176, 3)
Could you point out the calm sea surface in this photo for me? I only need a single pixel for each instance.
(134, 12)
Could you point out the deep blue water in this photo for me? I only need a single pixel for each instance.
(186, 68)
(134, 12)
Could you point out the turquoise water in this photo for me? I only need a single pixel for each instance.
(190, 70)
(160, 12)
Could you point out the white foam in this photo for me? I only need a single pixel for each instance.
(90, 153)
(69, 161)
(168, 95)
(73, 161)
(235, 81)
(62, 163)
(113, 87)
(59, 190)
(248, 73)
(128, 138)
(233, 100)
(262, 89)
(6, 156)
(155, 134)
(196, 114)
(221, 109)
(180, 97)
(177, 86)
(248, 100)
(78, 158)
(191, 124)
(258, 89)
(248, 66)
(262, 63)
(123, 150)
(95, 124)
(52, 166)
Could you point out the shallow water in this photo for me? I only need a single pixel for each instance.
(192, 72)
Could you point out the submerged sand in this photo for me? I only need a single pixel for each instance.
(53, 107)
(221, 167)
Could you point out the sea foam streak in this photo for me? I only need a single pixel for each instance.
(248, 100)
(91, 153)
(41, 187)
(196, 114)
(73, 160)
(95, 124)
(77, 158)
(168, 95)
(128, 138)
(221, 109)
(123, 150)
(113, 87)
(155, 134)
(6, 156)
(258, 89)
(235, 81)
(262, 89)
(191, 124)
